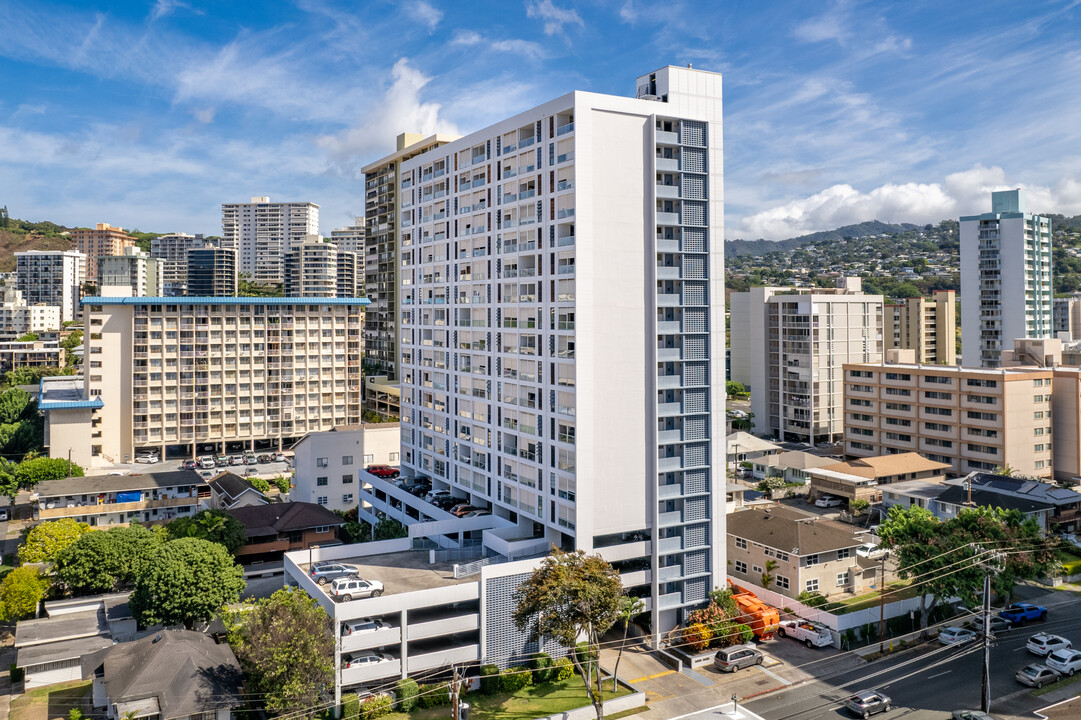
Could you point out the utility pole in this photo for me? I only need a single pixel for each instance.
(985, 694)
(882, 605)
(455, 695)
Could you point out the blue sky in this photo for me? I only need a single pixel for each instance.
(151, 114)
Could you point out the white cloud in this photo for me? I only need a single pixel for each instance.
(960, 193)
(628, 13)
(168, 7)
(553, 17)
(205, 115)
(514, 46)
(401, 109)
(467, 38)
(426, 14)
(830, 26)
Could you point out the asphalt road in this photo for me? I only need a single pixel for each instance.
(934, 680)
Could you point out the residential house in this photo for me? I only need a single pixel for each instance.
(1065, 503)
(945, 501)
(327, 462)
(744, 447)
(170, 675)
(791, 465)
(281, 527)
(812, 554)
(862, 478)
(105, 500)
(229, 490)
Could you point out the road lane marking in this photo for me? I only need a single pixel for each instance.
(929, 677)
(652, 677)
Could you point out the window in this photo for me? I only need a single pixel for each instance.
(905, 392)
(975, 415)
(898, 406)
(936, 395)
(810, 560)
(938, 411)
(898, 376)
(973, 382)
(347, 499)
(938, 379)
(812, 585)
(347, 459)
(842, 579)
(783, 557)
(756, 569)
(782, 582)
(320, 482)
(741, 543)
(320, 462)
(393, 457)
(844, 553)
(321, 500)
(323, 529)
(347, 479)
(741, 567)
(369, 459)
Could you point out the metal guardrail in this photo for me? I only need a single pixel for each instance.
(472, 568)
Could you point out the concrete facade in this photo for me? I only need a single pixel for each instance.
(52, 277)
(104, 239)
(18, 317)
(142, 274)
(173, 249)
(326, 463)
(211, 272)
(262, 232)
(926, 325)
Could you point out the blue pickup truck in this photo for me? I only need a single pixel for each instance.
(1020, 613)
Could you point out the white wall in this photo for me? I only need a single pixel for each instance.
(380, 441)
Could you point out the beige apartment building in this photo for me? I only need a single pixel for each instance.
(972, 419)
(105, 239)
(926, 325)
(212, 374)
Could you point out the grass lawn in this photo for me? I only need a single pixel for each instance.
(7, 565)
(50, 703)
(1071, 563)
(896, 590)
(531, 702)
(1057, 685)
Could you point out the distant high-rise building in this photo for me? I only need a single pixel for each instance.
(52, 277)
(311, 269)
(1066, 316)
(350, 274)
(173, 249)
(262, 232)
(212, 272)
(18, 317)
(926, 325)
(351, 237)
(788, 347)
(1006, 291)
(105, 239)
(135, 269)
(382, 266)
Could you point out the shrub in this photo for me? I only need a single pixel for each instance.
(564, 668)
(16, 673)
(259, 484)
(514, 679)
(375, 707)
(282, 483)
(697, 636)
(407, 691)
(489, 679)
(433, 695)
(350, 706)
(75, 714)
(542, 668)
(812, 599)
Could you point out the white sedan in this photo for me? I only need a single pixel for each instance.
(871, 551)
(956, 636)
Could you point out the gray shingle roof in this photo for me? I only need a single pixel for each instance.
(790, 530)
(117, 483)
(262, 520)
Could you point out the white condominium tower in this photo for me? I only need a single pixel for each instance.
(262, 232)
(1005, 279)
(562, 327)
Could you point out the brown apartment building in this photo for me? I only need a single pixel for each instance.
(927, 325)
(105, 239)
(972, 419)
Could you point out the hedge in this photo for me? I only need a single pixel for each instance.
(350, 707)
(407, 691)
(433, 695)
(489, 679)
(514, 679)
(542, 668)
(564, 669)
(376, 707)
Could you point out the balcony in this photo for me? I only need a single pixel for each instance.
(669, 436)
(442, 626)
(104, 508)
(669, 464)
(368, 673)
(668, 164)
(668, 191)
(671, 600)
(666, 546)
(667, 218)
(669, 409)
(373, 639)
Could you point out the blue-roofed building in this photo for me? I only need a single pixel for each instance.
(182, 377)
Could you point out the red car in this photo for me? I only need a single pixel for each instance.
(460, 510)
(383, 471)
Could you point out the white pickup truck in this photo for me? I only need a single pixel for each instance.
(809, 633)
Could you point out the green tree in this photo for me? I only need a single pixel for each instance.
(48, 539)
(20, 592)
(629, 606)
(734, 389)
(107, 560)
(185, 581)
(72, 341)
(28, 337)
(259, 484)
(214, 525)
(31, 472)
(21, 425)
(767, 574)
(390, 529)
(286, 646)
(858, 506)
(571, 596)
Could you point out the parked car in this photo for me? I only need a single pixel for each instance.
(1065, 662)
(956, 636)
(446, 502)
(462, 509)
(383, 471)
(280, 457)
(4, 515)
(251, 471)
(809, 633)
(236, 460)
(1036, 675)
(866, 703)
(263, 459)
(998, 624)
(827, 501)
(207, 462)
(731, 659)
(418, 488)
(222, 460)
(476, 513)
(362, 625)
(1046, 643)
(433, 494)
(352, 588)
(189, 465)
(365, 658)
(324, 572)
(250, 459)
(1020, 613)
(148, 458)
(871, 551)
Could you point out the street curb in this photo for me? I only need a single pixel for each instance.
(745, 698)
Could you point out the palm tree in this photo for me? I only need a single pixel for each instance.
(629, 607)
(767, 576)
(212, 524)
